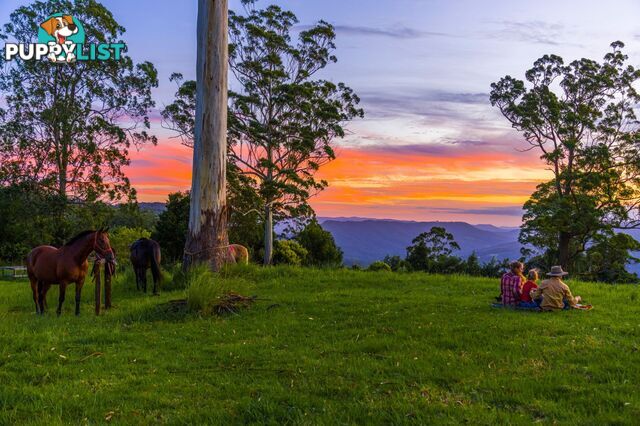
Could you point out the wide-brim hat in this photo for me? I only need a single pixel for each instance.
(556, 271)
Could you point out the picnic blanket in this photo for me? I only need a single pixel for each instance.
(519, 308)
(525, 308)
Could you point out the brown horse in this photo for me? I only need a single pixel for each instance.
(47, 266)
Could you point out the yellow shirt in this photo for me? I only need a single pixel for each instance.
(553, 292)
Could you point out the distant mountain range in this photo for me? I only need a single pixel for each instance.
(366, 240)
(157, 208)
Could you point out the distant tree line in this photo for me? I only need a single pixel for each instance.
(31, 217)
(432, 252)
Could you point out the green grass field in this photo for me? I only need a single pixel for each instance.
(328, 347)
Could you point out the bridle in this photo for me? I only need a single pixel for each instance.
(101, 250)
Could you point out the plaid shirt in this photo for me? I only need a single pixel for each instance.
(510, 286)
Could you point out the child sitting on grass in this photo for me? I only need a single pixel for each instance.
(525, 295)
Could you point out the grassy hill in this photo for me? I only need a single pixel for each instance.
(329, 347)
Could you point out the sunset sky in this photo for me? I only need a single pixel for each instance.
(431, 147)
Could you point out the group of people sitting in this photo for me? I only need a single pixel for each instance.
(551, 294)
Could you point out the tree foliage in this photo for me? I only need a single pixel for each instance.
(173, 224)
(432, 251)
(320, 245)
(68, 128)
(289, 252)
(581, 119)
(31, 217)
(606, 260)
(180, 115)
(122, 237)
(283, 119)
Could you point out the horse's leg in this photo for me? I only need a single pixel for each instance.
(143, 273)
(155, 284)
(63, 289)
(34, 289)
(47, 286)
(79, 285)
(138, 279)
(42, 296)
(155, 271)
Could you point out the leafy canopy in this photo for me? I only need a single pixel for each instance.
(581, 118)
(320, 245)
(432, 251)
(283, 120)
(68, 128)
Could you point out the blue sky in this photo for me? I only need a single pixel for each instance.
(423, 69)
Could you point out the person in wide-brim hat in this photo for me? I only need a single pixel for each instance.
(556, 271)
(554, 293)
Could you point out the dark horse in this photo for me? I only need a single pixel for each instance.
(47, 266)
(145, 253)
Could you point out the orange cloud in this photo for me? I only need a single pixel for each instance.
(400, 184)
(158, 171)
(385, 182)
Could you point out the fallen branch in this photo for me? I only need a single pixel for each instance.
(231, 303)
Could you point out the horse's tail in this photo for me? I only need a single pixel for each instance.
(155, 263)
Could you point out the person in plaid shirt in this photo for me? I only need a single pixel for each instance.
(511, 284)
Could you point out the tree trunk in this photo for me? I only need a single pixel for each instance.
(268, 235)
(564, 242)
(207, 240)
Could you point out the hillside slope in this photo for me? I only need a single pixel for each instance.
(323, 347)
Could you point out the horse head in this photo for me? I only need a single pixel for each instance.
(102, 245)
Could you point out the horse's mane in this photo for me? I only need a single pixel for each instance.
(77, 237)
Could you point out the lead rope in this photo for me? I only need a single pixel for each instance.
(192, 253)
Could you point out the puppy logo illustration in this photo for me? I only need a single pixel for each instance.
(65, 31)
(61, 39)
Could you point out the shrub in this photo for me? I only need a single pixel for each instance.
(397, 263)
(125, 277)
(494, 268)
(173, 224)
(321, 246)
(379, 266)
(122, 237)
(206, 289)
(179, 279)
(202, 292)
(289, 252)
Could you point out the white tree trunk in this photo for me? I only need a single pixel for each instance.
(207, 241)
(268, 235)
